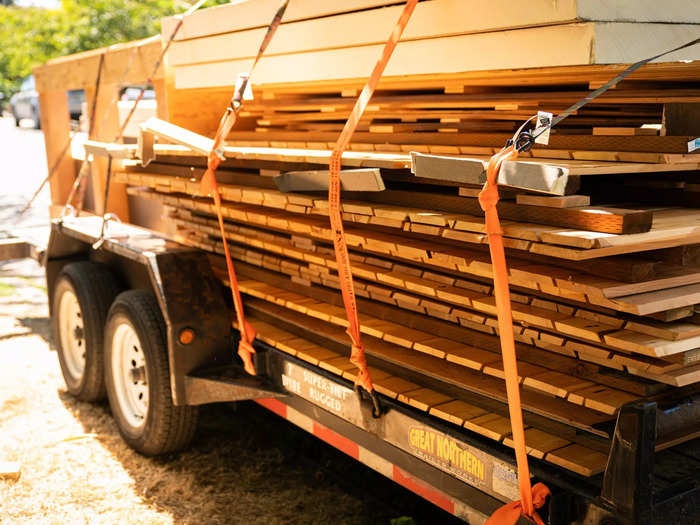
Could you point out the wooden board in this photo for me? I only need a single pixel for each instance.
(10, 470)
(594, 218)
(79, 71)
(360, 28)
(244, 15)
(563, 147)
(473, 333)
(584, 43)
(481, 16)
(544, 278)
(626, 336)
(446, 407)
(670, 227)
(565, 201)
(350, 180)
(429, 365)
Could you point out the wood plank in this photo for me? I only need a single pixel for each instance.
(579, 459)
(681, 119)
(547, 46)
(78, 71)
(55, 124)
(534, 176)
(538, 442)
(165, 130)
(413, 338)
(594, 218)
(10, 470)
(13, 248)
(652, 302)
(565, 201)
(457, 411)
(350, 180)
(243, 15)
(450, 373)
(309, 22)
(439, 405)
(525, 274)
(454, 169)
(566, 143)
(106, 127)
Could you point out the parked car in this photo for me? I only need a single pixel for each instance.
(76, 97)
(132, 93)
(25, 103)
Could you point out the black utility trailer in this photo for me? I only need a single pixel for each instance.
(145, 318)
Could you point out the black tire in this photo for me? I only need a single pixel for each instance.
(17, 120)
(36, 119)
(165, 428)
(94, 287)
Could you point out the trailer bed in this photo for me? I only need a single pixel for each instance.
(460, 463)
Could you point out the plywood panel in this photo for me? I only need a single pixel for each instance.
(55, 122)
(549, 46)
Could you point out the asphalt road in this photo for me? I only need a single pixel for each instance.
(245, 466)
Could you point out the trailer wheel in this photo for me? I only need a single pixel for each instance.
(138, 377)
(82, 295)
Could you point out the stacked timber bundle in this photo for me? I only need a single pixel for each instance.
(601, 225)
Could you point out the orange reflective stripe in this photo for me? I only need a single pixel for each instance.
(488, 199)
(208, 186)
(357, 356)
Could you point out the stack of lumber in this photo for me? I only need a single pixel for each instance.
(477, 56)
(604, 258)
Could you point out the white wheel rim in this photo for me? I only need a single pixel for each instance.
(129, 373)
(72, 334)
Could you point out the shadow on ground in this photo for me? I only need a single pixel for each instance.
(246, 465)
(40, 326)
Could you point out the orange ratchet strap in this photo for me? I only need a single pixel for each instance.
(530, 497)
(208, 186)
(357, 356)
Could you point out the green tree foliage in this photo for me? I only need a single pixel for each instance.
(30, 36)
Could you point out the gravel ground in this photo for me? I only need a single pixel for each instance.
(246, 465)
